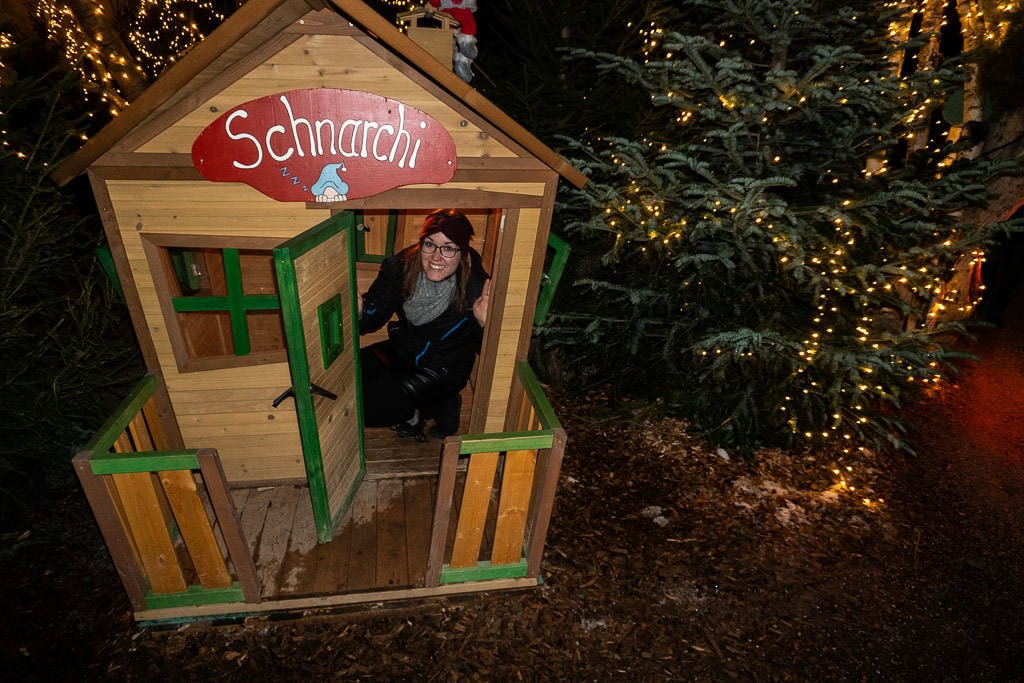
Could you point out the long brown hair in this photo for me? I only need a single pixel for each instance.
(459, 229)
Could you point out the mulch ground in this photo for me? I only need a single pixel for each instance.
(667, 560)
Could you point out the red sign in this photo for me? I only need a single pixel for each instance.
(324, 145)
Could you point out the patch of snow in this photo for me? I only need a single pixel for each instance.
(830, 496)
(791, 515)
(761, 489)
(651, 511)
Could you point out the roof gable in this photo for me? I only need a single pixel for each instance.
(243, 41)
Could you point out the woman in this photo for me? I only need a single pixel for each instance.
(439, 290)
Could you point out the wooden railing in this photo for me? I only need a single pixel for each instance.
(169, 548)
(498, 525)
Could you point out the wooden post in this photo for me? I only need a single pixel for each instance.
(545, 502)
(230, 526)
(113, 532)
(442, 510)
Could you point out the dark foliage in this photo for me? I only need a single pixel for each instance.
(1004, 87)
(774, 242)
(67, 351)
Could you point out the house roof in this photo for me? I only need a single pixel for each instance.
(247, 29)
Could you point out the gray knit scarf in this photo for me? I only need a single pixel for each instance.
(429, 299)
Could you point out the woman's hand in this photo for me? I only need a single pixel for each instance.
(480, 305)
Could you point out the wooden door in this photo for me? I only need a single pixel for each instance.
(316, 279)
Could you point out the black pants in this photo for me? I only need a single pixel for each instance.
(393, 391)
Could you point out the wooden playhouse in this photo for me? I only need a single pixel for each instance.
(248, 197)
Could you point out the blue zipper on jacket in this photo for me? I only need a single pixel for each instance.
(443, 337)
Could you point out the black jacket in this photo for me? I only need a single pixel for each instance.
(446, 345)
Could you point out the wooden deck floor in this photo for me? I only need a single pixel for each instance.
(381, 543)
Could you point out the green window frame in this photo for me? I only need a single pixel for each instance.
(236, 303)
(219, 300)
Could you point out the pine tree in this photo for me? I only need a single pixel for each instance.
(776, 238)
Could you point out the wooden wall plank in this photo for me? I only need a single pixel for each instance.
(196, 528)
(503, 249)
(513, 321)
(513, 505)
(148, 527)
(476, 499)
(326, 61)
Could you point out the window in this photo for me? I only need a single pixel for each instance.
(220, 303)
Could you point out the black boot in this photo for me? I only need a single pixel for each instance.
(446, 417)
(414, 429)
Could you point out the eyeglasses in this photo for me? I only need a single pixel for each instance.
(447, 250)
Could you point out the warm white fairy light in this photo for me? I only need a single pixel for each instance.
(928, 283)
(161, 30)
(6, 42)
(164, 29)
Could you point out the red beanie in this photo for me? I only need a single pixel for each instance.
(453, 224)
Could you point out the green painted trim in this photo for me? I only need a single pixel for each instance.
(260, 302)
(535, 392)
(354, 338)
(483, 571)
(309, 434)
(106, 260)
(332, 337)
(233, 278)
(549, 281)
(284, 257)
(143, 461)
(235, 302)
(350, 495)
(310, 239)
(506, 441)
(248, 302)
(105, 436)
(195, 596)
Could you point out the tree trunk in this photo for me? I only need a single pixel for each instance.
(112, 57)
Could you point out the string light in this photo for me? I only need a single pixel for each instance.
(925, 277)
(164, 29)
(157, 32)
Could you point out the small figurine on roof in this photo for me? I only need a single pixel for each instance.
(465, 36)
